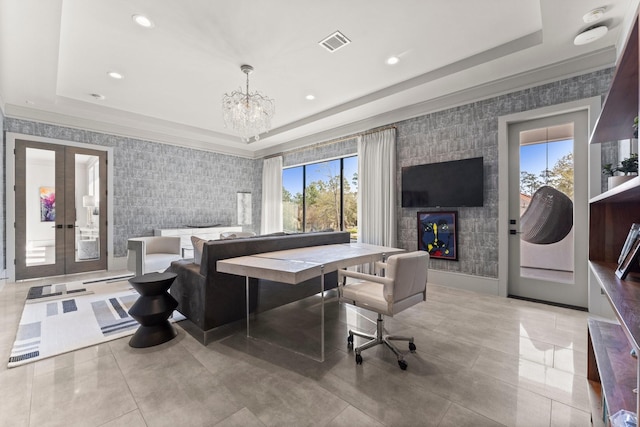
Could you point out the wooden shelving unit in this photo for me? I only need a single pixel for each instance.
(612, 372)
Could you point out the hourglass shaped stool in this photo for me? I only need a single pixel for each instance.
(152, 309)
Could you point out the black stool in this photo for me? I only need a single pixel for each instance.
(152, 309)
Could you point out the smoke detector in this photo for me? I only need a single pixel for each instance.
(590, 35)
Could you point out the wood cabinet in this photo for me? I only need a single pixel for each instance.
(612, 372)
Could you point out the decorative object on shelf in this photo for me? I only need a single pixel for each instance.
(635, 127)
(250, 113)
(631, 237)
(628, 166)
(438, 234)
(629, 260)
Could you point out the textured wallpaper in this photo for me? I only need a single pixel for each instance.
(164, 186)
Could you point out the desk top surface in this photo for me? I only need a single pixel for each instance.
(297, 265)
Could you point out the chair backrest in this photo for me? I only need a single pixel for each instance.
(409, 273)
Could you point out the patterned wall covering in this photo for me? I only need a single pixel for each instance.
(158, 185)
(472, 131)
(319, 152)
(164, 186)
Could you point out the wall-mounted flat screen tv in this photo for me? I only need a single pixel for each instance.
(457, 183)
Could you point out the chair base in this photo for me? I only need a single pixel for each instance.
(380, 338)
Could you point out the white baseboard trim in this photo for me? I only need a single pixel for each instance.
(484, 285)
(118, 263)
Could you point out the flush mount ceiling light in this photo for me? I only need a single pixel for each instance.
(248, 113)
(310, 97)
(392, 60)
(590, 35)
(115, 75)
(594, 15)
(143, 21)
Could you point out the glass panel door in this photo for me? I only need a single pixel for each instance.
(60, 210)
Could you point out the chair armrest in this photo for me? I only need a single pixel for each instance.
(363, 276)
(380, 265)
(163, 245)
(135, 256)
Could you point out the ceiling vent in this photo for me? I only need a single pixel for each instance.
(335, 41)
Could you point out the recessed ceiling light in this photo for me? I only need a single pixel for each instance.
(590, 35)
(594, 15)
(392, 60)
(98, 97)
(310, 97)
(115, 75)
(143, 21)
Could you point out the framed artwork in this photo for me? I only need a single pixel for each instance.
(438, 234)
(629, 259)
(47, 204)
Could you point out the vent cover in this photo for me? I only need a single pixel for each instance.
(335, 41)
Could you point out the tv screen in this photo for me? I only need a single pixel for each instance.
(457, 183)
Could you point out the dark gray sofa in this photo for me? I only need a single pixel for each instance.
(209, 299)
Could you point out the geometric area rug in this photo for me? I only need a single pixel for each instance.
(65, 317)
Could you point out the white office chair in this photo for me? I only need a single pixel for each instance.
(403, 285)
(152, 253)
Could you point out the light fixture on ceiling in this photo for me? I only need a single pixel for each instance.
(250, 113)
(392, 60)
(143, 21)
(593, 15)
(310, 97)
(590, 35)
(115, 75)
(98, 96)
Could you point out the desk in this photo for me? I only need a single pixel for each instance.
(294, 266)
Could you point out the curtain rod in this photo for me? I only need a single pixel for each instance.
(333, 141)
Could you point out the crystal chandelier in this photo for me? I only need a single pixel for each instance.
(249, 114)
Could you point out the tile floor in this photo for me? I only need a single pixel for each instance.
(481, 361)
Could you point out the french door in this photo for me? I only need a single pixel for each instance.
(548, 209)
(60, 209)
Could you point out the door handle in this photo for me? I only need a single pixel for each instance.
(515, 232)
(70, 226)
(57, 226)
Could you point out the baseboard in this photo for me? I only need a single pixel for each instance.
(484, 285)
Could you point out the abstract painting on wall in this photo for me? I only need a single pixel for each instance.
(47, 204)
(437, 234)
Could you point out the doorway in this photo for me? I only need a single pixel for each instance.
(548, 200)
(60, 209)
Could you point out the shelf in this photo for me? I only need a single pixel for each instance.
(621, 105)
(624, 296)
(616, 369)
(626, 192)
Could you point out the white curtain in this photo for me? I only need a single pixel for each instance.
(271, 195)
(377, 188)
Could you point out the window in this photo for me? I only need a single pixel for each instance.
(321, 196)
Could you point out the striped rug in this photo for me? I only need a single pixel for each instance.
(65, 317)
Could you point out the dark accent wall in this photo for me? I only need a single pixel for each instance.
(164, 186)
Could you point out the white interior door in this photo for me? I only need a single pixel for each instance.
(548, 209)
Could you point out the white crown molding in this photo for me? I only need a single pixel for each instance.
(595, 61)
(148, 130)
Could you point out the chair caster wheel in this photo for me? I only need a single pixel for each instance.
(412, 347)
(350, 341)
(359, 360)
(402, 364)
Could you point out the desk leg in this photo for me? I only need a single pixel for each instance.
(322, 313)
(247, 298)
